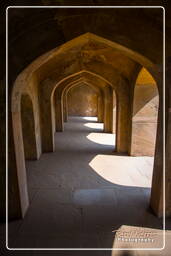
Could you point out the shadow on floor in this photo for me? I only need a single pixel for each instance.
(72, 206)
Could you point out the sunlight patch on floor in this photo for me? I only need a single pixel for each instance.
(102, 138)
(97, 126)
(124, 170)
(90, 118)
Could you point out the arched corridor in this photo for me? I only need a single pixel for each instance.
(49, 90)
(86, 164)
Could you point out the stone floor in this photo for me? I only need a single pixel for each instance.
(84, 195)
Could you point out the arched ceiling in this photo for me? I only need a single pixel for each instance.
(81, 77)
(124, 26)
(85, 50)
(83, 83)
(33, 32)
(87, 54)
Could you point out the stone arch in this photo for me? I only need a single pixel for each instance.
(24, 100)
(60, 97)
(121, 143)
(100, 103)
(47, 60)
(145, 113)
(106, 97)
(97, 89)
(42, 67)
(61, 87)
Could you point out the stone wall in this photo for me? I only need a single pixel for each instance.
(82, 101)
(144, 121)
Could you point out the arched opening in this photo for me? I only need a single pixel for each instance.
(88, 103)
(95, 175)
(145, 114)
(105, 96)
(91, 95)
(44, 95)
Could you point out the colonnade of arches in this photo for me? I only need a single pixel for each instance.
(95, 90)
(39, 103)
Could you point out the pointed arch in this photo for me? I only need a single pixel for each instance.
(144, 117)
(49, 71)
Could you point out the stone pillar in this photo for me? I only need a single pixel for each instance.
(156, 200)
(3, 153)
(123, 129)
(168, 137)
(18, 200)
(65, 107)
(28, 128)
(100, 109)
(168, 165)
(58, 113)
(47, 130)
(114, 113)
(108, 111)
(17, 197)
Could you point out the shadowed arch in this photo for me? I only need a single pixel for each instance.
(24, 77)
(47, 70)
(122, 130)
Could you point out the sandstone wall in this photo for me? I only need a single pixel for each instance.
(144, 121)
(82, 101)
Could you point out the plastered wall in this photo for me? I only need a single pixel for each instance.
(82, 101)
